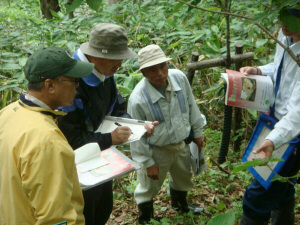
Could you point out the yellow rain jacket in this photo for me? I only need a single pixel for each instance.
(38, 179)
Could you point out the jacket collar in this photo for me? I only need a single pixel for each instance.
(28, 104)
(95, 78)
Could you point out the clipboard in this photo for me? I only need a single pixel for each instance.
(264, 174)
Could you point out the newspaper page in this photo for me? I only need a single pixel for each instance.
(113, 164)
(251, 91)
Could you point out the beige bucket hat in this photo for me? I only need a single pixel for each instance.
(151, 55)
(108, 41)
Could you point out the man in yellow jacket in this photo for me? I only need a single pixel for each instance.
(38, 180)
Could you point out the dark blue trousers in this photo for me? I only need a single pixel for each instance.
(259, 202)
(98, 204)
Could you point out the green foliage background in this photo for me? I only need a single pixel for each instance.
(179, 30)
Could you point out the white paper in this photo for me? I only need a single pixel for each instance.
(198, 162)
(88, 157)
(137, 127)
(264, 171)
(117, 165)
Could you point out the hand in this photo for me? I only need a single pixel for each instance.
(248, 70)
(120, 135)
(199, 142)
(150, 128)
(265, 150)
(153, 172)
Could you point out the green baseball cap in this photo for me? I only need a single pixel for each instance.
(51, 62)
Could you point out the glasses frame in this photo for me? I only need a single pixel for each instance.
(75, 81)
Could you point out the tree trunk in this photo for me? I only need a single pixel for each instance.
(71, 14)
(46, 5)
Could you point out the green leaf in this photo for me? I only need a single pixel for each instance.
(174, 44)
(4, 99)
(227, 218)
(213, 46)
(253, 163)
(94, 4)
(213, 88)
(75, 4)
(58, 15)
(4, 87)
(11, 67)
(36, 20)
(253, 113)
(261, 16)
(22, 61)
(215, 29)
(10, 54)
(129, 82)
(292, 23)
(260, 42)
(125, 91)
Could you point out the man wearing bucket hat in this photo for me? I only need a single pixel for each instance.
(97, 97)
(278, 201)
(166, 96)
(38, 182)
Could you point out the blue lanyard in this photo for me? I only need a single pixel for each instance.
(277, 84)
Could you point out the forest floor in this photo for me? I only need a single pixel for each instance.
(214, 189)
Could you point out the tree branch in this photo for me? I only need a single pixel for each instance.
(294, 57)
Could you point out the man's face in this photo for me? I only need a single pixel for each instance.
(65, 90)
(157, 75)
(107, 67)
(285, 31)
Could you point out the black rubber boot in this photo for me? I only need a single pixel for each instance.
(179, 203)
(284, 214)
(247, 221)
(146, 212)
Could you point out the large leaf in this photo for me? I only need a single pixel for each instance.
(11, 67)
(261, 16)
(94, 4)
(129, 82)
(10, 54)
(227, 218)
(58, 15)
(75, 4)
(253, 163)
(260, 42)
(4, 87)
(292, 22)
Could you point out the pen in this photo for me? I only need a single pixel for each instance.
(119, 125)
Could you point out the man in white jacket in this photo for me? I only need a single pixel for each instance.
(279, 200)
(164, 95)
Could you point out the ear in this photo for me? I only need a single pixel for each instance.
(50, 85)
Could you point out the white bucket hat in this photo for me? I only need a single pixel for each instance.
(151, 55)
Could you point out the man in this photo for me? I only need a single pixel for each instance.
(166, 96)
(278, 201)
(38, 181)
(97, 97)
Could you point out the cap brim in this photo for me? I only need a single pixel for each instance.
(80, 69)
(155, 62)
(118, 54)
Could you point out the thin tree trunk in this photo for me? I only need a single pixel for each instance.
(71, 14)
(46, 5)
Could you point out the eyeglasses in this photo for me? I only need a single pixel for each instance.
(75, 81)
